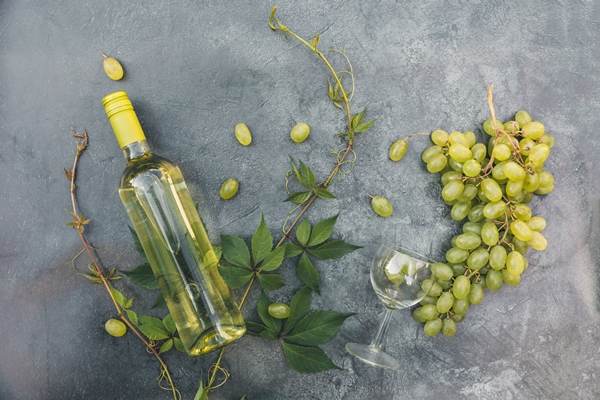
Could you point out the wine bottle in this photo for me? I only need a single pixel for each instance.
(173, 238)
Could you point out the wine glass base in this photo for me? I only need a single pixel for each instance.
(372, 355)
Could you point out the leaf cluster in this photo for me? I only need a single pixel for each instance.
(306, 177)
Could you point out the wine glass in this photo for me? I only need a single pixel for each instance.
(396, 276)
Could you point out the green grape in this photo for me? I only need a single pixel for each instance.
(497, 257)
(521, 230)
(456, 255)
(479, 151)
(437, 163)
(513, 189)
(417, 316)
(433, 327)
(445, 284)
(483, 271)
(477, 259)
(242, 134)
(460, 153)
(460, 210)
(511, 126)
(429, 312)
(546, 183)
(279, 310)
(455, 165)
(439, 137)
(533, 130)
(498, 171)
(431, 287)
(538, 241)
(488, 126)
(442, 271)
(494, 210)
(519, 245)
(457, 318)
(514, 263)
(519, 196)
(476, 213)
(472, 227)
(491, 189)
(509, 141)
(547, 140)
(451, 176)
(453, 240)
(450, 202)
(471, 168)
(458, 269)
(301, 131)
(382, 206)
(461, 306)
(468, 241)
(112, 67)
(539, 154)
(537, 223)
(514, 171)
(526, 263)
(489, 233)
(461, 287)
(522, 212)
(448, 327)
(527, 198)
(397, 150)
(468, 193)
(115, 328)
(430, 152)
(397, 278)
(475, 294)
(452, 190)
(445, 302)
(493, 280)
(526, 145)
(471, 138)
(458, 138)
(510, 279)
(502, 152)
(531, 183)
(481, 281)
(522, 117)
(228, 189)
(428, 300)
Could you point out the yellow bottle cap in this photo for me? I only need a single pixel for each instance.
(123, 119)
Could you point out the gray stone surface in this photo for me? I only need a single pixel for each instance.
(193, 70)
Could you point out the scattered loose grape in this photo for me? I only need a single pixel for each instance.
(299, 132)
(112, 67)
(382, 206)
(242, 134)
(398, 150)
(228, 189)
(279, 310)
(115, 328)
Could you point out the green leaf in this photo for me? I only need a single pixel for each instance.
(303, 232)
(333, 249)
(143, 276)
(273, 259)
(299, 307)
(160, 302)
(363, 127)
(153, 328)
(307, 273)
(235, 251)
(201, 394)
(297, 173)
(129, 303)
(132, 316)
(270, 282)
(307, 174)
(243, 397)
(322, 231)
(291, 250)
(330, 90)
(179, 345)
(121, 300)
(235, 277)
(137, 243)
(307, 359)
(299, 197)
(254, 327)
(317, 328)
(218, 252)
(262, 307)
(324, 193)
(169, 324)
(166, 346)
(262, 242)
(357, 118)
(268, 334)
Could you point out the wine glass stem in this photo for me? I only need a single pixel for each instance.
(383, 327)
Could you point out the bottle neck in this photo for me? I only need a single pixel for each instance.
(135, 150)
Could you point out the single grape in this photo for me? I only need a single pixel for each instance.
(457, 318)
(437, 163)
(547, 140)
(502, 152)
(513, 189)
(469, 192)
(533, 130)
(431, 287)
(476, 294)
(115, 328)
(472, 227)
(510, 279)
(439, 137)
(471, 138)
(433, 327)
(428, 300)
(442, 271)
(481, 280)
(448, 327)
(514, 171)
(461, 287)
(511, 126)
(456, 255)
(445, 302)
(546, 183)
(382, 206)
(488, 126)
(522, 117)
(521, 230)
(491, 189)
(398, 150)
(461, 306)
(455, 165)
(479, 151)
(416, 314)
(538, 241)
(531, 183)
(242, 134)
(519, 245)
(497, 257)
(460, 210)
(493, 280)
(514, 263)
(537, 223)
(522, 211)
(539, 154)
(228, 189)
(526, 145)
(494, 210)
(460, 152)
(489, 233)
(445, 284)
(477, 259)
(468, 241)
(397, 277)
(498, 171)
(279, 310)
(458, 269)
(458, 138)
(301, 131)
(471, 168)
(452, 190)
(451, 176)
(112, 67)
(430, 152)
(429, 312)
(476, 213)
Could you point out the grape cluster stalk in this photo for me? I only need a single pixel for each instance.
(489, 186)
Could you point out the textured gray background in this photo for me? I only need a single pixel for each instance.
(195, 69)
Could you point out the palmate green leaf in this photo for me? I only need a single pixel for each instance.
(324, 193)
(202, 393)
(166, 346)
(132, 316)
(160, 302)
(307, 174)
(120, 299)
(268, 334)
(254, 327)
(297, 173)
(364, 126)
(303, 232)
(273, 259)
(317, 328)
(235, 251)
(357, 118)
(143, 276)
(262, 242)
(169, 324)
(322, 231)
(307, 273)
(179, 345)
(153, 328)
(291, 250)
(235, 277)
(333, 249)
(137, 243)
(307, 359)
(299, 307)
(262, 307)
(270, 282)
(299, 197)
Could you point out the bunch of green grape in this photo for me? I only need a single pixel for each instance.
(489, 187)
